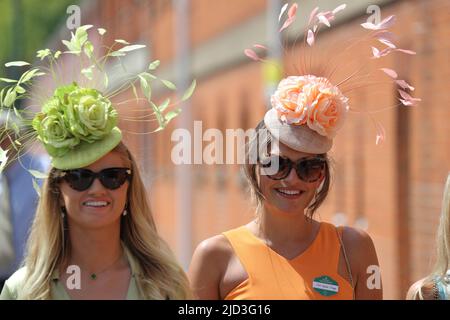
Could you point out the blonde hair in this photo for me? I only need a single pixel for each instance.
(260, 142)
(443, 249)
(160, 276)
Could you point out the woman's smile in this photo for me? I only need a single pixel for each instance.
(289, 193)
(96, 205)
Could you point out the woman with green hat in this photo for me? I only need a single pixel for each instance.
(93, 236)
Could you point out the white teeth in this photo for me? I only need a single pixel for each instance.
(95, 203)
(289, 192)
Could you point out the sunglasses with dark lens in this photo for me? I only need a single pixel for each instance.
(307, 169)
(82, 179)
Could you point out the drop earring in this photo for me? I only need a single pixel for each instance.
(63, 212)
(125, 212)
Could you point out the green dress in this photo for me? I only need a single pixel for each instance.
(58, 291)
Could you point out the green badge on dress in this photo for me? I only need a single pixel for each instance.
(326, 286)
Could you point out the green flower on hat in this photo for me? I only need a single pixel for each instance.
(78, 125)
(53, 132)
(74, 115)
(90, 115)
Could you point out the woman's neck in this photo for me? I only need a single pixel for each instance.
(280, 227)
(94, 249)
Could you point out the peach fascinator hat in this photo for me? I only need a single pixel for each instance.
(308, 110)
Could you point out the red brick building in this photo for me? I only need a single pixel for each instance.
(393, 190)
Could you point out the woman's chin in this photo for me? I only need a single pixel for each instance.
(96, 220)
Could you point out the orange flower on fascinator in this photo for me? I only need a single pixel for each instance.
(313, 101)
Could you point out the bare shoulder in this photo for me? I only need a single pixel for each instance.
(208, 265)
(356, 237)
(364, 263)
(360, 248)
(215, 249)
(357, 240)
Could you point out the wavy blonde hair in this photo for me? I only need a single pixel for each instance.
(161, 277)
(443, 250)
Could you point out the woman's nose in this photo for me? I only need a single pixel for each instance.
(292, 176)
(97, 187)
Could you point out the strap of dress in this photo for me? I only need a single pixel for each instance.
(340, 231)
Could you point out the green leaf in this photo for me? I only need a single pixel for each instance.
(77, 40)
(19, 89)
(85, 27)
(164, 105)
(57, 54)
(16, 64)
(131, 48)
(17, 113)
(1, 97)
(81, 35)
(43, 53)
(153, 65)
(148, 76)
(158, 114)
(172, 114)
(3, 159)
(38, 174)
(67, 44)
(28, 75)
(121, 41)
(101, 31)
(169, 84)
(88, 72)
(117, 54)
(188, 93)
(73, 48)
(134, 91)
(8, 80)
(106, 81)
(37, 188)
(15, 128)
(10, 97)
(75, 52)
(17, 142)
(145, 87)
(88, 49)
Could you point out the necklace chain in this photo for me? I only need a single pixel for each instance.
(94, 275)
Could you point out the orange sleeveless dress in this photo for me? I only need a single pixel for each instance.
(313, 275)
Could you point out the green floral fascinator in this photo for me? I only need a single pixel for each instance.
(76, 121)
(77, 126)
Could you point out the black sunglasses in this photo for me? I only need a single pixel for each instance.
(307, 169)
(82, 179)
